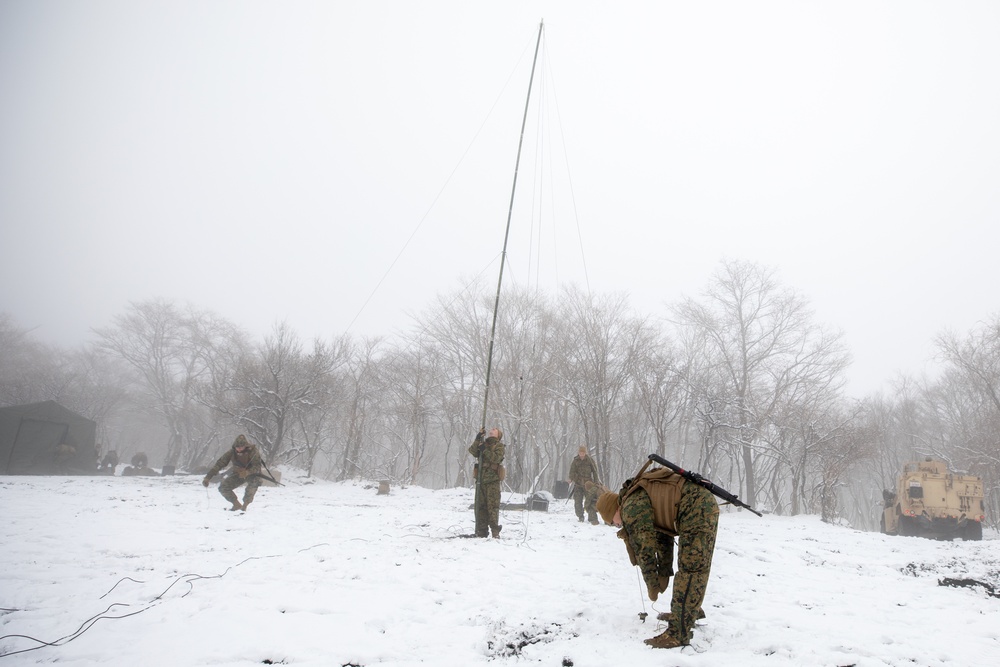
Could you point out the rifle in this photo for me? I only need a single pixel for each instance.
(698, 479)
(569, 493)
(269, 476)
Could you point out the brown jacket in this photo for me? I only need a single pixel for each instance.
(664, 488)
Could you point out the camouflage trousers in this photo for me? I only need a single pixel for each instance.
(584, 500)
(233, 481)
(697, 523)
(488, 509)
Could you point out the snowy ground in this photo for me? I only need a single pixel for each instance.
(153, 571)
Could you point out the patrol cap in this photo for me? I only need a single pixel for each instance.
(607, 505)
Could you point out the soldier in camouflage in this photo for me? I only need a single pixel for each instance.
(489, 472)
(140, 466)
(586, 485)
(246, 470)
(657, 507)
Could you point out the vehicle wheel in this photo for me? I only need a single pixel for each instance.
(908, 526)
(973, 531)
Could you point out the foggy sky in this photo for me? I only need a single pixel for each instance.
(270, 161)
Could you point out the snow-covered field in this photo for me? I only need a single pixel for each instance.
(153, 571)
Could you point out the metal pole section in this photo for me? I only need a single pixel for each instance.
(510, 210)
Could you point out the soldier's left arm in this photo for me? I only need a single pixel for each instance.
(642, 539)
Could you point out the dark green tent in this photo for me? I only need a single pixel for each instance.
(46, 439)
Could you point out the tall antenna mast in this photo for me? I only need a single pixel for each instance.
(510, 211)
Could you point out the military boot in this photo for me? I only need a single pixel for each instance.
(496, 531)
(231, 497)
(246, 503)
(669, 638)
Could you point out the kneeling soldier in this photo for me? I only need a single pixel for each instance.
(246, 469)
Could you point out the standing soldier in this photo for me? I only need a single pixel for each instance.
(651, 511)
(489, 472)
(586, 484)
(246, 469)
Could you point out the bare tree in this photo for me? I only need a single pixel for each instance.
(965, 404)
(274, 384)
(413, 377)
(975, 374)
(362, 380)
(760, 342)
(660, 389)
(170, 349)
(847, 447)
(96, 387)
(600, 344)
(457, 323)
(522, 377)
(316, 426)
(23, 365)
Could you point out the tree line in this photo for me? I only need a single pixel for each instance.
(740, 384)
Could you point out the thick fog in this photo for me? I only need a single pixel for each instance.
(338, 165)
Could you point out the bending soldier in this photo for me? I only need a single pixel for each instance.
(658, 506)
(246, 469)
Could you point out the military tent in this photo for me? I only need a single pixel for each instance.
(46, 439)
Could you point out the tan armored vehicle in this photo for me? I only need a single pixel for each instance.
(931, 502)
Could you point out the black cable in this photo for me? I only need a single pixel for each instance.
(90, 622)
(116, 586)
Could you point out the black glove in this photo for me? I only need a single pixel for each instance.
(481, 435)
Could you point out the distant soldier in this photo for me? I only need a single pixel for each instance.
(658, 506)
(246, 470)
(489, 452)
(586, 484)
(140, 466)
(109, 463)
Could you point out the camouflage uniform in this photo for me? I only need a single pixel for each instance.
(140, 466)
(246, 469)
(586, 487)
(490, 454)
(653, 511)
